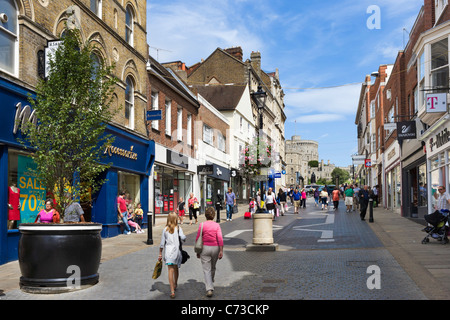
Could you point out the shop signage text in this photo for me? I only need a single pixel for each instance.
(23, 116)
(110, 150)
(441, 138)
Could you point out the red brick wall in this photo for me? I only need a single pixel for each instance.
(159, 136)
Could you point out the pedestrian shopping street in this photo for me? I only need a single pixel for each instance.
(303, 267)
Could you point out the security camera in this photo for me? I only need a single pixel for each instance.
(3, 17)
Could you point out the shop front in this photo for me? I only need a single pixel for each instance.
(393, 183)
(214, 183)
(23, 196)
(172, 180)
(414, 175)
(131, 158)
(438, 162)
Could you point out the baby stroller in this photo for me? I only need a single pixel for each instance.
(438, 226)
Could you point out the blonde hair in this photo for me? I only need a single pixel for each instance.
(172, 222)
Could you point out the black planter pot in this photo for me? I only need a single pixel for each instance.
(55, 258)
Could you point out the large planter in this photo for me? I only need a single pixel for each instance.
(55, 258)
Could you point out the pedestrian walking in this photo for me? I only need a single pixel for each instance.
(170, 244)
(193, 206)
(281, 198)
(316, 197)
(324, 197)
(270, 203)
(303, 200)
(181, 211)
(356, 190)
(212, 248)
(230, 201)
(364, 196)
(296, 196)
(335, 196)
(348, 196)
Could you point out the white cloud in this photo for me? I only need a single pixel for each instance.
(190, 31)
(319, 118)
(339, 100)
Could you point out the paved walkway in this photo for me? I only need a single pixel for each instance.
(428, 265)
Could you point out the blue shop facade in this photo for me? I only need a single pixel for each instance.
(131, 157)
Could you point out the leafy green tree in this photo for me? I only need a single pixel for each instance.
(73, 106)
(339, 175)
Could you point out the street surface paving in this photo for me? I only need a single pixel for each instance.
(322, 255)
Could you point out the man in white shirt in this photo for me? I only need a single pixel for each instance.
(443, 200)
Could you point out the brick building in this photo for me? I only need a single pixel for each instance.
(118, 31)
(227, 67)
(410, 170)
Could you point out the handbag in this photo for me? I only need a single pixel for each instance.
(184, 255)
(157, 270)
(235, 209)
(196, 205)
(198, 248)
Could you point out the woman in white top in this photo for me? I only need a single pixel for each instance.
(270, 202)
(170, 243)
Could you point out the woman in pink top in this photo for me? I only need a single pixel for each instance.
(212, 248)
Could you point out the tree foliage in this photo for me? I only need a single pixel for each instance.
(73, 107)
(339, 175)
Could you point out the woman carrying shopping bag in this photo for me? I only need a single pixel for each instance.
(170, 243)
(212, 250)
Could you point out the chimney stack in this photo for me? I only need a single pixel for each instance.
(255, 59)
(235, 52)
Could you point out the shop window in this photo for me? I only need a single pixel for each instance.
(8, 36)
(131, 185)
(26, 196)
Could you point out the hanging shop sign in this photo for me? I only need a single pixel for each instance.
(406, 130)
(436, 102)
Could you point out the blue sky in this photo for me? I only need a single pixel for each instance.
(323, 50)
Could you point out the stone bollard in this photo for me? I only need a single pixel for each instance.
(262, 233)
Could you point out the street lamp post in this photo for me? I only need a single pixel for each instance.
(260, 97)
(262, 221)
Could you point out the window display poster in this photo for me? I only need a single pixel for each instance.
(32, 194)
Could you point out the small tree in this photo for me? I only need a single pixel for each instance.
(73, 107)
(339, 175)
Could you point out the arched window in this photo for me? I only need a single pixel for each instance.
(129, 25)
(9, 33)
(129, 103)
(97, 63)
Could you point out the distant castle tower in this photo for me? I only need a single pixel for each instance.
(298, 153)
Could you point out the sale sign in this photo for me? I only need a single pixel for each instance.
(32, 194)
